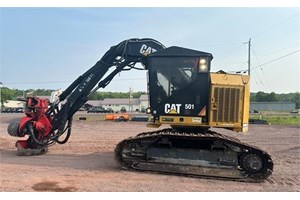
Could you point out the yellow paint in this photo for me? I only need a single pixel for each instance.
(228, 82)
(173, 112)
(229, 79)
(203, 112)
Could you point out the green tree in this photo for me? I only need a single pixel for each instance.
(94, 96)
(260, 96)
(271, 97)
(252, 97)
(43, 92)
(296, 99)
(6, 94)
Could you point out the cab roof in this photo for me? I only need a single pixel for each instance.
(180, 51)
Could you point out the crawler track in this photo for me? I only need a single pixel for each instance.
(192, 153)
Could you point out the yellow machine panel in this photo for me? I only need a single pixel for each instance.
(229, 101)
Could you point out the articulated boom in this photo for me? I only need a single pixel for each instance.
(123, 56)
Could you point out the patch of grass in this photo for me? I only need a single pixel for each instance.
(284, 120)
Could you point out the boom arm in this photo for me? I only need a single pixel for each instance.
(123, 56)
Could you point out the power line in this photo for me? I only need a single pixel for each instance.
(275, 25)
(260, 81)
(265, 78)
(277, 59)
(259, 33)
(279, 50)
(256, 82)
(243, 70)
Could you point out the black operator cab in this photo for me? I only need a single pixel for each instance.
(178, 83)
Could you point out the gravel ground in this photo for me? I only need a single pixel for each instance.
(86, 162)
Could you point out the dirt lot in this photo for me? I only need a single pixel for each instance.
(86, 162)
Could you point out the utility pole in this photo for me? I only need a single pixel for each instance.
(130, 100)
(249, 47)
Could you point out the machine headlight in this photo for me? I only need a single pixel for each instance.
(202, 61)
(203, 65)
(148, 110)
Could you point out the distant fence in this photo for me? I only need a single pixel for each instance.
(272, 106)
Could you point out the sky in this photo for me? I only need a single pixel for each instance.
(50, 47)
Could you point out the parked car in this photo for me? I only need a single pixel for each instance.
(96, 110)
(123, 110)
(19, 110)
(109, 110)
(297, 111)
(4, 110)
(12, 110)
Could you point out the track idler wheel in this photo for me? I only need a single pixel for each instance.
(254, 165)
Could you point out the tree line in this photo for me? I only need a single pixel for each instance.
(273, 97)
(12, 94)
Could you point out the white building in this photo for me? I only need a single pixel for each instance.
(13, 104)
(131, 105)
(117, 104)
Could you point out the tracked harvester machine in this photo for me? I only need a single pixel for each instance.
(183, 94)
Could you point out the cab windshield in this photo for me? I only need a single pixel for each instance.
(172, 75)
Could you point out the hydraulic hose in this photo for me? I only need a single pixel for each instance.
(69, 127)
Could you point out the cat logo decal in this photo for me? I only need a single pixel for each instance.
(172, 108)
